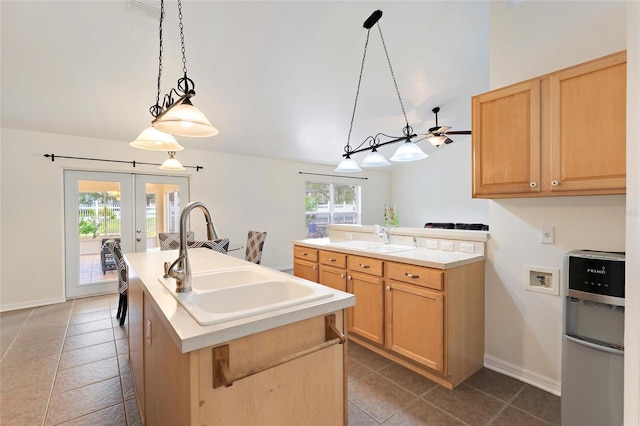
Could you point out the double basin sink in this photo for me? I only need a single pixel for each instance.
(233, 293)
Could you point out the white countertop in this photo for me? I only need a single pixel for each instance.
(187, 334)
(438, 259)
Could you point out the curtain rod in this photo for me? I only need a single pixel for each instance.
(134, 163)
(340, 176)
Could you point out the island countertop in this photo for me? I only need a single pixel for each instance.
(188, 335)
(421, 256)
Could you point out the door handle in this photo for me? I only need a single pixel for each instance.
(593, 345)
(138, 231)
(138, 239)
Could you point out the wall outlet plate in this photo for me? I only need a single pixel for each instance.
(542, 279)
(446, 245)
(467, 247)
(547, 234)
(432, 244)
(348, 236)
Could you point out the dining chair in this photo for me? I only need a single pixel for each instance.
(255, 243)
(123, 278)
(171, 240)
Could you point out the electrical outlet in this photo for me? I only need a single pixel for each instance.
(446, 245)
(348, 236)
(467, 247)
(547, 234)
(432, 244)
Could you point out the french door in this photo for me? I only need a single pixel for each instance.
(131, 208)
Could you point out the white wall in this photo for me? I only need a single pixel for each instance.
(523, 334)
(242, 193)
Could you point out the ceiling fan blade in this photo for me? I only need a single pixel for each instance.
(439, 130)
(448, 141)
(460, 132)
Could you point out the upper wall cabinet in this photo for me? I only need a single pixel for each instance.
(559, 134)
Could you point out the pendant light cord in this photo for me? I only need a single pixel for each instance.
(156, 109)
(395, 83)
(185, 84)
(347, 148)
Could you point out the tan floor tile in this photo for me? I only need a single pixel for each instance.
(88, 308)
(357, 417)
(88, 339)
(512, 416)
(25, 373)
(123, 362)
(407, 379)
(90, 316)
(465, 403)
(45, 321)
(88, 354)
(44, 332)
(422, 413)
(33, 349)
(111, 416)
(133, 413)
(379, 397)
(26, 406)
(13, 318)
(86, 374)
(87, 327)
(122, 346)
(495, 384)
(82, 401)
(128, 390)
(541, 404)
(121, 332)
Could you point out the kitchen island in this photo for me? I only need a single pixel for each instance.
(281, 363)
(420, 307)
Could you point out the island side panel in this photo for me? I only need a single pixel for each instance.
(312, 387)
(135, 316)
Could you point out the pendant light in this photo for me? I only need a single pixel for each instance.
(374, 158)
(171, 163)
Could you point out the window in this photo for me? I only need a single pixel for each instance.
(330, 203)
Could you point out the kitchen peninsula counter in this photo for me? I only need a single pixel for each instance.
(283, 366)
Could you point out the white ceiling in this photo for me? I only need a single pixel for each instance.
(278, 78)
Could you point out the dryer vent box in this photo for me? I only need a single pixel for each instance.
(542, 279)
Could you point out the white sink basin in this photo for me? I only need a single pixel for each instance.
(370, 246)
(238, 293)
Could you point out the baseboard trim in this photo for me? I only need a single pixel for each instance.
(534, 379)
(31, 304)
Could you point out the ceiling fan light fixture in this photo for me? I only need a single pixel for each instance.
(374, 159)
(436, 140)
(348, 165)
(155, 140)
(408, 151)
(171, 163)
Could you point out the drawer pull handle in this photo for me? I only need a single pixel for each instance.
(341, 275)
(411, 275)
(304, 253)
(331, 259)
(362, 265)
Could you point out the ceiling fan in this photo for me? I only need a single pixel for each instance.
(440, 134)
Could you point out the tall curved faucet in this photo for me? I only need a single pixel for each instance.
(180, 269)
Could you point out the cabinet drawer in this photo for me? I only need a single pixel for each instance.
(332, 258)
(419, 275)
(365, 264)
(305, 253)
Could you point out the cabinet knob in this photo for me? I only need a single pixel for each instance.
(349, 277)
(533, 184)
(314, 268)
(341, 275)
(388, 288)
(554, 183)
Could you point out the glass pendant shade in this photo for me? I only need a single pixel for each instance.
(171, 163)
(408, 151)
(348, 165)
(374, 159)
(185, 120)
(155, 140)
(436, 140)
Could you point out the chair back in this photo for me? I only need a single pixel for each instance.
(255, 243)
(123, 274)
(171, 240)
(221, 244)
(313, 229)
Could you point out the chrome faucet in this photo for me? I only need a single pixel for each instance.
(381, 232)
(180, 269)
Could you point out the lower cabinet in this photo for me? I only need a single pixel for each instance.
(415, 323)
(333, 277)
(366, 318)
(305, 269)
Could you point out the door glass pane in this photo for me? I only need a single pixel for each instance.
(345, 204)
(99, 219)
(162, 211)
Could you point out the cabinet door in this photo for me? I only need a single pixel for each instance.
(415, 323)
(588, 125)
(367, 316)
(306, 270)
(506, 140)
(333, 277)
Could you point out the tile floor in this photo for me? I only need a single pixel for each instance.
(67, 364)
(91, 270)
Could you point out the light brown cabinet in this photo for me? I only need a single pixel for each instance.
(429, 320)
(559, 134)
(305, 263)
